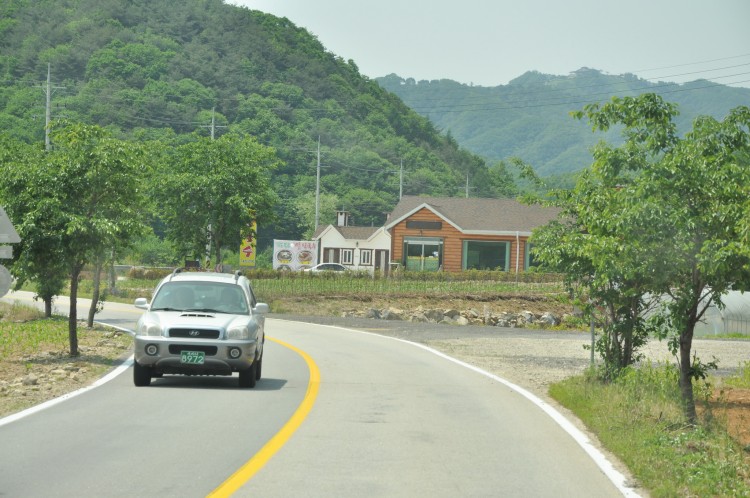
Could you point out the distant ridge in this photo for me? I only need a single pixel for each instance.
(529, 117)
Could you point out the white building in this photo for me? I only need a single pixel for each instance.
(358, 248)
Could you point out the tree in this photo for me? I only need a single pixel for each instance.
(304, 209)
(673, 209)
(90, 186)
(211, 191)
(500, 181)
(604, 271)
(38, 258)
(701, 186)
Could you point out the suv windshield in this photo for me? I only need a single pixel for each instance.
(210, 297)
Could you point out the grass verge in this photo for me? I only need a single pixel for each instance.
(639, 418)
(35, 361)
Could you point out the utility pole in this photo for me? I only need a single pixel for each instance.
(48, 107)
(213, 122)
(317, 191)
(213, 125)
(467, 185)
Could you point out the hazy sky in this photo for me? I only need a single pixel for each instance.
(490, 42)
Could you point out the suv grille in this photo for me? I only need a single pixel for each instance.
(194, 333)
(179, 348)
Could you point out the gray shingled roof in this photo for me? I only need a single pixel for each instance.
(357, 233)
(477, 215)
(353, 233)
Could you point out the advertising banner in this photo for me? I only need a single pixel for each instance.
(294, 254)
(247, 249)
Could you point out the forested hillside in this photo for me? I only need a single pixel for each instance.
(166, 71)
(529, 118)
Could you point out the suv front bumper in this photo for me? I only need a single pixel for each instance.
(220, 357)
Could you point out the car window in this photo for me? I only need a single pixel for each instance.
(174, 296)
(233, 300)
(211, 297)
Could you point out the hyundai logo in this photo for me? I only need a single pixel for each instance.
(194, 333)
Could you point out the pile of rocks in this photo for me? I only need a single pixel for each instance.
(455, 317)
(32, 379)
(44, 380)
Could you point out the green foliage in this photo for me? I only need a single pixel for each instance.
(72, 205)
(304, 208)
(211, 191)
(529, 117)
(150, 250)
(146, 71)
(660, 216)
(741, 379)
(639, 417)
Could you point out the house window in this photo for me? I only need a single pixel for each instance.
(331, 255)
(424, 225)
(347, 256)
(365, 257)
(530, 259)
(485, 255)
(423, 253)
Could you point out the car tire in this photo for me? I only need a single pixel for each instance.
(141, 375)
(247, 376)
(258, 368)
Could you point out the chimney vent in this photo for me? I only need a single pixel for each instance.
(342, 218)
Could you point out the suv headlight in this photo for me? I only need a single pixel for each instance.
(241, 332)
(149, 329)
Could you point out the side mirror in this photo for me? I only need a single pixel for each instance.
(262, 308)
(141, 303)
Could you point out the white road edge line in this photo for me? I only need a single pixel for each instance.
(614, 475)
(617, 478)
(103, 380)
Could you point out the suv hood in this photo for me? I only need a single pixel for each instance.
(172, 319)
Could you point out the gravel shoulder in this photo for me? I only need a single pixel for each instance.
(530, 358)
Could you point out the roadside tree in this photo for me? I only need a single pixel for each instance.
(605, 255)
(210, 191)
(76, 202)
(38, 257)
(662, 215)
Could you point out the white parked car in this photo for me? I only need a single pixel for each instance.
(327, 267)
(200, 323)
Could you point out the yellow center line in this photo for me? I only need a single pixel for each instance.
(252, 466)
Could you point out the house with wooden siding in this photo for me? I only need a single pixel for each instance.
(455, 234)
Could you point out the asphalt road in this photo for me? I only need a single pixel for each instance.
(389, 418)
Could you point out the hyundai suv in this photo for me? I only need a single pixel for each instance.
(200, 323)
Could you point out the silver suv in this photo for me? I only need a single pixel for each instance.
(200, 324)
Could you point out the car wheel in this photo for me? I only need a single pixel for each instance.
(258, 368)
(141, 375)
(247, 376)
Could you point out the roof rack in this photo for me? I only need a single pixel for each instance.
(175, 272)
(237, 275)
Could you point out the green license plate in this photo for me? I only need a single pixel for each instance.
(192, 357)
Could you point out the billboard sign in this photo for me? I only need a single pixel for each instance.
(294, 254)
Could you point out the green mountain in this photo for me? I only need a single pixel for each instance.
(164, 70)
(529, 117)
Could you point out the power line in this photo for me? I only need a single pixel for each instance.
(690, 63)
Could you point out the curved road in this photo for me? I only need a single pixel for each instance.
(390, 419)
